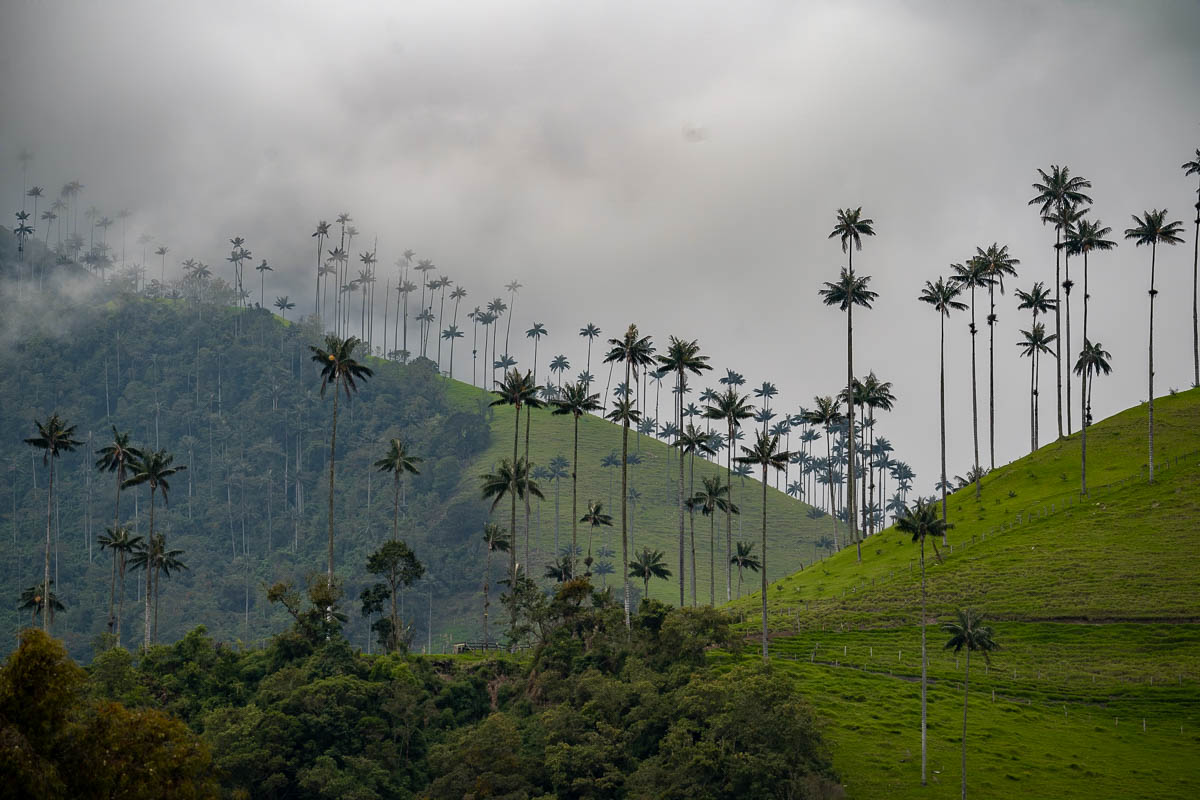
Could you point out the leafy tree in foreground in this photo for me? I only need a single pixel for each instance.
(967, 632)
(399, 568)
(922, 521)
(53, 438)
(339, 369)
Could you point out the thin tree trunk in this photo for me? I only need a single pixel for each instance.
(992, 376)
(121, 603)
(942, 397)
(625, 502)
(850, 487)
(712, 559)
(924, 663)
(46, 573)
(729, 519)
(487, 573)
(1058, 323)
(332, 456)
(974, 396)
(1083, 388)
(966, 686)
(682, 543)
(763, 569)
(1067, 279)
(1151, 372)
(575, 497)
(692, 521)
(512, 491)
(1195, 317)
(149, 574)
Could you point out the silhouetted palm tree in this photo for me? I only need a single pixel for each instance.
(1087, 235)
(320, 234)
(922, 521)
(54, 438)
(1038, 301)
(825, 413)
(575, 400)
(691, 441)
(648, 564)
(284, 305)
(1034, 343)
(731, 407)
(943, 297)
(847, 292)
(595, 518)
(743, 559)
(1193, 168)
(967, 632)
(765, 453)
(1056, 192)
(398, 461)
(973, 275)
(997, 265)
(122, 543)
(518, 391)
(1093, 360)
(342, 370)
(1151, 229)
(33, 599)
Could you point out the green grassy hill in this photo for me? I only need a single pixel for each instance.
(1093, 601)
(791, 537)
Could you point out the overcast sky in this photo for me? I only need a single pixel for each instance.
(678, 165)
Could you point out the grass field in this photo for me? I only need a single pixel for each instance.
(1094, 602)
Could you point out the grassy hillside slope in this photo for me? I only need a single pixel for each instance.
(1093, 601)
(655, 523)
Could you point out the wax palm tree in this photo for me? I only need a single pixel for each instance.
(162, 562)
(1065, 219)
(765, 453)
(1038, 301)
(589, 332)
(875, 394)
(398, 461)
(972, 275)
(1084, 237)
(575, 400)
(494, 538)
(967, 632)
(1056, 192)
(560, 364)
(1152, 228)
(518, 391)
(691, 441)
(847, 292)
(284, 305)
(943, 297)
(595, 518)
(263, 269)
(53, 438)
(451, 334)
(825, 414)
(636, 352)
(648, 564)
(1093, 360)
(682, 357)
(1193, 168)
(712, 499)
(997, 264)
(1034, 343)
(320, 234)
(152, 469)
(732, 407)
(123, 544)
(340, 369)
(743, 559)
(33, 600)
(922, 521)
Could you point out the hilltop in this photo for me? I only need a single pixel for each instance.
(1093, 601)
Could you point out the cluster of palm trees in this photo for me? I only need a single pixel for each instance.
(131, 466)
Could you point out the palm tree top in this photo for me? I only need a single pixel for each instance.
(634, 348)
(1057, 189)
(119, 453)
(537, 331)
(922, 520)
(1038, 299)
(1192, 167)
(942, 296)
(517, 390)
(338, 364)
(153, 468)
(765, 452)
(848, 290)
(1153, 227)
(590, 331)
(574, 399)
(1088, 235)
(851, 226)
(398, 459)
(968, 631)
(54, 437)
(683, 355)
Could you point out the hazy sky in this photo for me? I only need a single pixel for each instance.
(677, 165)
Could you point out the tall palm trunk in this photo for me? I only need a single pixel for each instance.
(1058, 323)
(692, 522)
(1195, 317)
(729, 519)
(682, 544)
(625, 502)
(121, 602)
(762, 571)
(992, 375)
(528, 412)
(1083, 389)
(1067, 333)
(112, 592)
(1032, 401)
(46, 573)
(154, 627)
(850, 505)
(396, 509)
(924, 663)
(575, 495)
(1153, 293)
(487, 574)
(712, 559)
(829, 466)
(147, 628)
(974, 396)
(512, 492)
(966, 686)
(332, 456)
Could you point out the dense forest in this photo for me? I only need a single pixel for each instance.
(233, 395)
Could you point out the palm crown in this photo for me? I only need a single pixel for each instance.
(338, 364)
